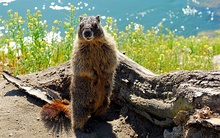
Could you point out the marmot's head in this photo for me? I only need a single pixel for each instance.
(90, 28)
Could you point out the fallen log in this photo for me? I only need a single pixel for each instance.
(46, 95)
(158, 98)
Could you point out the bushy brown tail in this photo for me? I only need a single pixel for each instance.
(56, 116)
(56, 111)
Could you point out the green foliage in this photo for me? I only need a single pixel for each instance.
(164, 52)
(31, 45)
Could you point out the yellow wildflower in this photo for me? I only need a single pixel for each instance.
(126, 28)
(72, 8)
(9, 11)
(66, 24)
(16, 14)
(10, 24)
(28, 10)
(53, 28)
(56, 22)
(71, 29)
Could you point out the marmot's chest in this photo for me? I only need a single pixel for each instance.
(101, 56)
(96, 52)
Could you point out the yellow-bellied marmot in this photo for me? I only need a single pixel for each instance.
(94, 60)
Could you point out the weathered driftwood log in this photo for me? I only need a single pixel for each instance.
(157, 97)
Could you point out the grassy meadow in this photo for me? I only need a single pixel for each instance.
(40, 46)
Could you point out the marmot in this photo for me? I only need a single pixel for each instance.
(94, 61)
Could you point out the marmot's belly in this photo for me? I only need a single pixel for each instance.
(99, 91)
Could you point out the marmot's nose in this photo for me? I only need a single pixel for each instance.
(87, 33)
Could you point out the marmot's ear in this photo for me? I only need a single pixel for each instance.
(80, 18)
(98, 18)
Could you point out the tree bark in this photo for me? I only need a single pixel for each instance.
(158, 98)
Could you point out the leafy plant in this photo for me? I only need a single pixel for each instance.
(31, 45)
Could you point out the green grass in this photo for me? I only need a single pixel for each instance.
(29, 50)
(163, 51)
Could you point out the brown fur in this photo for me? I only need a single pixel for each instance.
(58, 109)
(94, 61)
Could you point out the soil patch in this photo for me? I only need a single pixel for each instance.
(20, 118)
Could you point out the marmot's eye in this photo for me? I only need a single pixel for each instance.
(95, 25)
(81, 25)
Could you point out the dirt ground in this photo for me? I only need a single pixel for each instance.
(20, 118)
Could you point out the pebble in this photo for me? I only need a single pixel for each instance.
(38, 119)
(10, 135)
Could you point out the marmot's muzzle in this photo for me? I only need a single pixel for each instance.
(88, 34)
